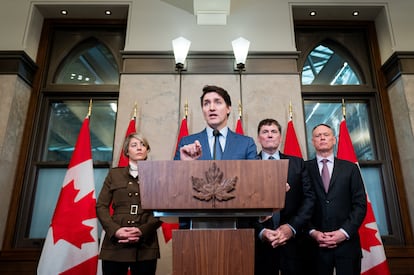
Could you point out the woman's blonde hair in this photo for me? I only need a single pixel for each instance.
(137, 136)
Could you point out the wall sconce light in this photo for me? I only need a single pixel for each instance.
(240, 49)
(180, 47)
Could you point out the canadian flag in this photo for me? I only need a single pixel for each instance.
(71, 245)
(239, 126)
(374, 261)
(292, 147)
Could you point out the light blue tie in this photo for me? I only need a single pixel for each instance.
(217, 153)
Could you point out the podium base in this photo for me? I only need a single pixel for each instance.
(218, 252)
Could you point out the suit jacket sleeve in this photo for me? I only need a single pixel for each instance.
(358, 202)
(102, 207)
(300, 199)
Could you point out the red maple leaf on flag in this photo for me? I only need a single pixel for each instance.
(68, 217)
(369, 239)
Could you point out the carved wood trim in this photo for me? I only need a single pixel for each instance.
(398, 64)
(18, 62)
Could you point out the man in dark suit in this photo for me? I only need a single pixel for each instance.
(278, 246)
(340, 207)
(216, 107)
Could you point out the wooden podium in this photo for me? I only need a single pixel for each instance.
(213, 195)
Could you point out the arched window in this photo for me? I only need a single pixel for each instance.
(82, 66)
(90, 62)
(326, 66)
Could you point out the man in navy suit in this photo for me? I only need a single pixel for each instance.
(278, 246)
(340, 208)
(216, 107)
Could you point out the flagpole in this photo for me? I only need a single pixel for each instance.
(186, 109)
(241, 88)
(135, 111)
(290, 110)
(240, 110)
(343, 108)
(179, 97)
(89, 108)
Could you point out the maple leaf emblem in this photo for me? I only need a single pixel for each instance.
(213, 186)
(69, 215)
(368, 235)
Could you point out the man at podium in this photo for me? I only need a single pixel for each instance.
(216, 141)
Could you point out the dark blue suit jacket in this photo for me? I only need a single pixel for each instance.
(237, 146)
(299, 203)
(300, 198)
(344, 206)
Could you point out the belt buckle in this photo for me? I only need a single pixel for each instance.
(134, 209)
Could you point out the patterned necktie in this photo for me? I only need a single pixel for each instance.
(326, 178)
(217, 152)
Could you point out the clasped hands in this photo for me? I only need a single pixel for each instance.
(128, 234)
(278, 236)
(328, 239)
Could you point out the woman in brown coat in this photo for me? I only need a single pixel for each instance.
(131, 233)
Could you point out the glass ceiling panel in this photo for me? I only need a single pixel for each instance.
(89, 63)
(323, 66)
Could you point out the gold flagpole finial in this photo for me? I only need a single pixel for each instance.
(290, 110)
(90, 107)
(343, 108)
(240, 109)
(135, 109)
(186, 108)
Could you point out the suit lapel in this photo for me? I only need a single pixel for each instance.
(228, 148)
(335, 173)
(317, 175)
(206, 155)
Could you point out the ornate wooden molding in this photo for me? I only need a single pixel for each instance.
(209, 63)
(398, 64)
(18, 62)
